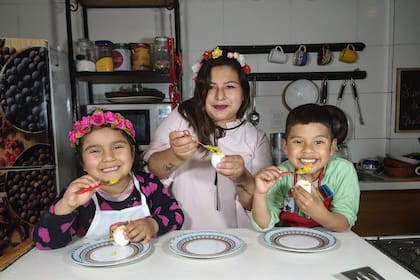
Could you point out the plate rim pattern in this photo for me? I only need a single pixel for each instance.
(76, 254)
(269, 237)
(175, 242)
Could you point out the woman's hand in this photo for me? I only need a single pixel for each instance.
(233, 167)
(142, 230)
(71, 200)
(183, 145)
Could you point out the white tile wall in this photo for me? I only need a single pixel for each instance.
(389, 28)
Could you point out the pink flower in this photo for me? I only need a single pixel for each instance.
(109, 117)
(85, 121)
(98, 118)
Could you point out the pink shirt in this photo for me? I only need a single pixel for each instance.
(193, 182)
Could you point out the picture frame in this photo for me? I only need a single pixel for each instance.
(407, 110)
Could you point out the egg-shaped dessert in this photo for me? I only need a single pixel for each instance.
(119, 237)
(305, 184)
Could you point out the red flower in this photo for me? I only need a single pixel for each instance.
(247, 69)
(207, 55)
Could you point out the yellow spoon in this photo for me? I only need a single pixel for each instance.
(214, 149)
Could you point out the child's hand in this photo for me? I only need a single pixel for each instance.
(310, 203)
(71, 200)
(266, 178)
(142, 230)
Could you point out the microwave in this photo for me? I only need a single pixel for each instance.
(145, 117)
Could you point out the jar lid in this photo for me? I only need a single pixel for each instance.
(121, 45)
(103, 43)
(161, 38)
(141, 45)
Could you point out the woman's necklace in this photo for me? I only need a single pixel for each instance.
(220, 132)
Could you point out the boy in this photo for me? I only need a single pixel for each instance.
(333, 199)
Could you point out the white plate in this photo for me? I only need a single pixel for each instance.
(105, 253)
(300, 92)
(135, 99)
(297, 239)
(205, 244)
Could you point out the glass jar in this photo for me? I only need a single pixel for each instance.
(85, 55)
(161, 58)
(141, 57)
(104, 63)
(121, 56)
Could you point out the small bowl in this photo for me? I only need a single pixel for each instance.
(397, 168)
(399, 171)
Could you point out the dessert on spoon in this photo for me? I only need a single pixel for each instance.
(100, 184)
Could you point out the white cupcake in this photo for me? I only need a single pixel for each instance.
(304, 184)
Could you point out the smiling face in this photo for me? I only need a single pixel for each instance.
(309, 144)
(107, 155)
(225, 96)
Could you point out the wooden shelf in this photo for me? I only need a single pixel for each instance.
(127, 3)
(122, 77)
(258, 49)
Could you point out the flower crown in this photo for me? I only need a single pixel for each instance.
(99, 118)
(216, 53)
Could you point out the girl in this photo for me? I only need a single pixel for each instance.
(104, 143)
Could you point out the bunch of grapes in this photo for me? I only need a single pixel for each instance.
(25, 89)
(5, 53)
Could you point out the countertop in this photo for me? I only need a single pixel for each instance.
(369, 181)
(255, 261)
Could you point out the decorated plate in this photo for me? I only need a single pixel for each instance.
(205, 244)
(105, 253)
(298, 239)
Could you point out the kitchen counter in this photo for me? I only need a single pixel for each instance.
(377, 182)
(255, 261)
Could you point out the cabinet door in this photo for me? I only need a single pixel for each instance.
(388, 213)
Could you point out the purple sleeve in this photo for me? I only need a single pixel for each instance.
(56, 231)
(163, 207)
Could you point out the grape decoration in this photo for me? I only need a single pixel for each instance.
(25, 89)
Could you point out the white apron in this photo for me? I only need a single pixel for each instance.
(99, 228)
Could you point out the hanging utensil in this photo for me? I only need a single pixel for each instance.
(324, 92)
(254, 116)
(340, 95)
(356, 98)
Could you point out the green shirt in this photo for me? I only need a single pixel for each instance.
(340, 176)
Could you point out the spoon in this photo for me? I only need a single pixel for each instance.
(211, 148)
(254, 116)
(302, 170)
(90, 188)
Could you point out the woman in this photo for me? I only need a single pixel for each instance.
(212, 198)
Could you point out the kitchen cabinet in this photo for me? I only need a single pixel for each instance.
(117, 76)
(388, 212)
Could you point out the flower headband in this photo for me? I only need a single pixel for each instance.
(99, 118)
(216, 53)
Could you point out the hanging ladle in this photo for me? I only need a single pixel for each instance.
(254, 116)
